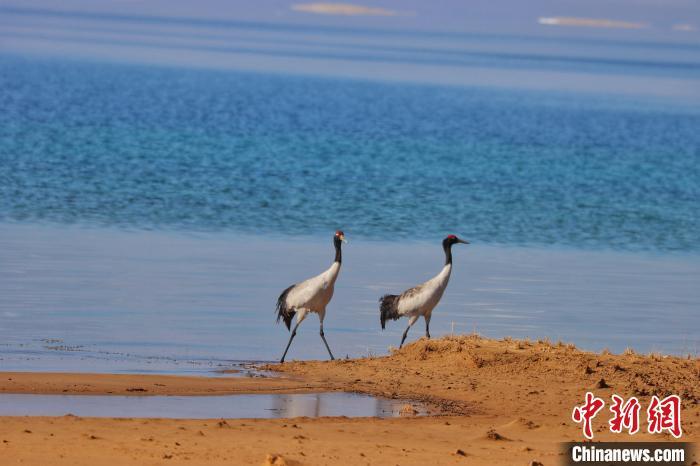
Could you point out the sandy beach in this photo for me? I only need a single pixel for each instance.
(502, 402)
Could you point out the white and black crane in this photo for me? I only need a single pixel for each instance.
(422, 299)
(312, 295)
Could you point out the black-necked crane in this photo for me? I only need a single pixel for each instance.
(312, 295)
(422, 299)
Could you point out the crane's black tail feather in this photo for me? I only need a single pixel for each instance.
(283, 311)
(388, 308)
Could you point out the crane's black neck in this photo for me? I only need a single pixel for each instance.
(447, 247)
(338, 250)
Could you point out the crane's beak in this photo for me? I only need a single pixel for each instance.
(463, 241)
(342, 238)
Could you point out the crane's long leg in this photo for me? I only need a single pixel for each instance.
(326, 343)
(411, 321)
(427, 326)
(403, 338)
(294, 333)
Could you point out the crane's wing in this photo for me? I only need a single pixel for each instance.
(304, 293)
(283, 311)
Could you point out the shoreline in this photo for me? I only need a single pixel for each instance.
(504, 402)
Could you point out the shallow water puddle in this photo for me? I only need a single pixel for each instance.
(259, 406)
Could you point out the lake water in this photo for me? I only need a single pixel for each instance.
(204, 407)
(151, 215)
(131, 146)
(96, 299)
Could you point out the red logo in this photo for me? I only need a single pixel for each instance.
(625, 415)
(662, 415)
(665, 415)
(587, 412)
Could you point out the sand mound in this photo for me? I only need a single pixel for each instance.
(629, 373)
(425, 349)
(491, 434)
(472, 375)
(273, 459)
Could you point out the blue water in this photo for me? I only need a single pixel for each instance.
(201, 150)
(163, 180)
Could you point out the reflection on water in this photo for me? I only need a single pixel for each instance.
(204, 407)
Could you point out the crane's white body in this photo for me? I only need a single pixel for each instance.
(422, 299)
(314, 294)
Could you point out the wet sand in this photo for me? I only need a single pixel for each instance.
(58, 383)
(505, 402)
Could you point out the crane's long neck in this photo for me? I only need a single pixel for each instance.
(444, 276)
(448, 253)
(338, 250)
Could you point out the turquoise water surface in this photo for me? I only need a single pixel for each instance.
(133, 146)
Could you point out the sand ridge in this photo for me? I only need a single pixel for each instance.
(483, 373)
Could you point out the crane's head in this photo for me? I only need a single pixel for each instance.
(339, 237)
(452, 239)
